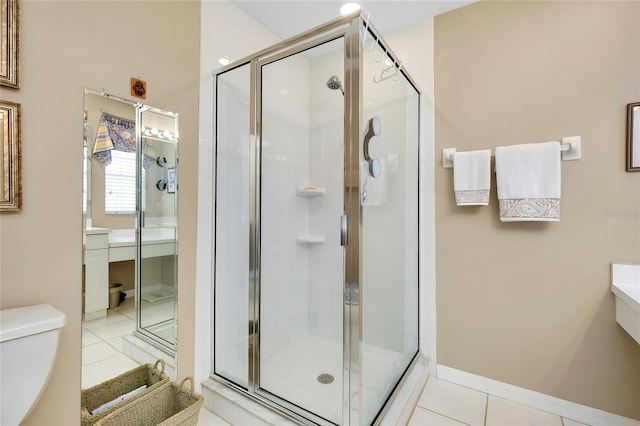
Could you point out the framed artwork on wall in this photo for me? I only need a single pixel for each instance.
(633, 137)
(10, 172)
(9, 43)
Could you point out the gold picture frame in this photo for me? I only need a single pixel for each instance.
(11, 172)
(9, 43)
(633, 137)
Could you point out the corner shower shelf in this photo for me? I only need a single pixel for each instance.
(310, 191)
(310, 240)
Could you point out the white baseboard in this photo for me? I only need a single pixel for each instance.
(550, 404)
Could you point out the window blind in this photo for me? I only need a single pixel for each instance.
(120, 183)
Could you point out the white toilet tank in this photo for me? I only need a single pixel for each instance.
(28, 346)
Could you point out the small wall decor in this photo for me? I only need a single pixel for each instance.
(171, 180)
(10, 152)
(138, 88)
(633, 137)
(9, 43)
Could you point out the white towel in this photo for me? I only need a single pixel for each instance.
(472, 177)
(528, 180)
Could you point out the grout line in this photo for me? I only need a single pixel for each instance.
(486, 410)
(105, 341)
(102, 359)
(448, 417)
(113, 346)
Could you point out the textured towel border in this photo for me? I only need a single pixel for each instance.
(476, 197)
(530, 209)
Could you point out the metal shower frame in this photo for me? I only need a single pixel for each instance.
(349, 27)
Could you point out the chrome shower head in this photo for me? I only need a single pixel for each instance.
(334, 83)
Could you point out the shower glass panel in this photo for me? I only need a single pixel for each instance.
(301, 259)
(157, 233)
(232, 264)
(389, 251)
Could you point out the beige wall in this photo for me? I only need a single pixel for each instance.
(529, 303)
(67, 46)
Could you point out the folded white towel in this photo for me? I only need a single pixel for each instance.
(528, 181)
(472, 177)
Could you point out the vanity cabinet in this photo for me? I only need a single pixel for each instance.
(103, 246)
(96, 260)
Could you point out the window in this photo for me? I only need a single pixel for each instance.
(120, 183)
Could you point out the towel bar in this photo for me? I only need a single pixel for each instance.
(571, 148)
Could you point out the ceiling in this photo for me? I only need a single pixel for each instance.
(289, 18)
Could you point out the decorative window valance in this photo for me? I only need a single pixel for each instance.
(114, 133)
(120, 134)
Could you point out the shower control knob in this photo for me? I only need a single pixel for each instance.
(375, 167)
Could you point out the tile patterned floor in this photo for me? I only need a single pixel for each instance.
(441, 403)
(101, 352)
(446, 404)
(102, 345)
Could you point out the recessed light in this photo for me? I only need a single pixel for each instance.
(224, 61)
(349, 8)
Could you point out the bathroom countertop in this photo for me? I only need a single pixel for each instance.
(127, 237)
(625, 283)
(92, 230)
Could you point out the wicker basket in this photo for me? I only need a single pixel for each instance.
(169, 405)
(104, 392)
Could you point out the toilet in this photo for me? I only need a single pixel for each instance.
(28, 346)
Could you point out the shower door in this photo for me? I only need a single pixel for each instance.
(279, 258)
(301, 271)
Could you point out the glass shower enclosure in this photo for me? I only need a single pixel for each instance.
(316, 224)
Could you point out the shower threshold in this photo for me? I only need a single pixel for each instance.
(236, 407)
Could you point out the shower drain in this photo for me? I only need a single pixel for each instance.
(325, 378)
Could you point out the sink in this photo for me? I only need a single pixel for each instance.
(625, 285)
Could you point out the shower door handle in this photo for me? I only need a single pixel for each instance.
(343, 230)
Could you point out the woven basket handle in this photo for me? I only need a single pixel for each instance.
(161, 362)
(190, 379)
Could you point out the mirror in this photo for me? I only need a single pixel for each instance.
(158, 226)
(130, 236)
(9, 48)
(633, 137)
(10, 169)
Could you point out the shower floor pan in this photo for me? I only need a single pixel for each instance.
(294, 370)
(156, 295)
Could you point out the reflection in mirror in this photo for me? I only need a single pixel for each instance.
(10, 167)
(633, 137)
(158, 230)
(130, 237)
